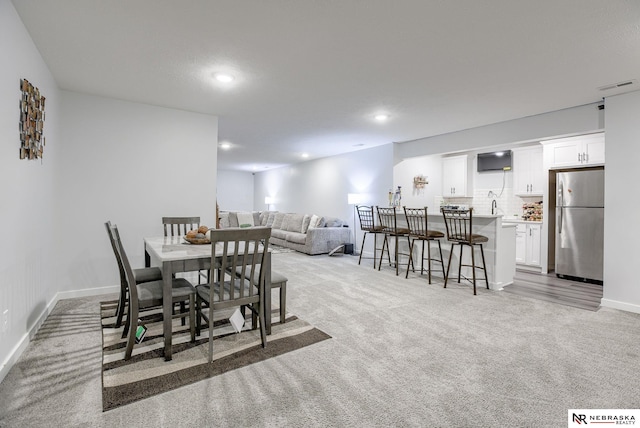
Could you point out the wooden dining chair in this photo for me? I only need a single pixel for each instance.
(177, 226)
(147, 295)
(233, 250)
(140, 275)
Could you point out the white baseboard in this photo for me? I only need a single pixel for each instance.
(24, 341)
(629, 307)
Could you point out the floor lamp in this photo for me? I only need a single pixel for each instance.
(268, 200)
(354, 199)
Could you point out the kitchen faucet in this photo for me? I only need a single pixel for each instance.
(494, 207)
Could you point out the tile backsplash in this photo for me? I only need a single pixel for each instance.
(509, 205)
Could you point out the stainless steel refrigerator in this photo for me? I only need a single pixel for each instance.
(580, 224)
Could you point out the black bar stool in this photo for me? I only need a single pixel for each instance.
(368, 225)
(419, 231)
(388, 221)
(459, 231)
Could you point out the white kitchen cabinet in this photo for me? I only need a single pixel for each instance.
(528, 244)
(583, 150)
(521, 243)
(456, 177)
(528, 171)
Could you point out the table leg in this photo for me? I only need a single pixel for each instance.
(167, 305)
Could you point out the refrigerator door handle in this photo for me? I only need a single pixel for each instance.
(560, 220)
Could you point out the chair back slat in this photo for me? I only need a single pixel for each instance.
(387, 218)
(243, 251)
(129, 277)
(177, 226)
(458, 224)
(416, 220)
(367, 219)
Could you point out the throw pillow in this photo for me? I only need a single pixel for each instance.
(233, 219)
(333, 222)
(270, 219)
(293, 222)
(305, 223)
(245, 219)
(315, 221)
(277, 221)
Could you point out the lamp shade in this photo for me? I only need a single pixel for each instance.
(354, 198)
(268, 200)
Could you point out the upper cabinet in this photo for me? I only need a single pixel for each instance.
(456, 177)
(583, 150)
(528, 171)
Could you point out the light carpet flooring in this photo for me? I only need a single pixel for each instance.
(402, 353)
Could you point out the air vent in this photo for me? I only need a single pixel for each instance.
(618, 85)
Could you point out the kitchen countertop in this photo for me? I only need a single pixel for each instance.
(519, 220)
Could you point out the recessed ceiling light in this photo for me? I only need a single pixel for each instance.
(381, 117)
(358, 145)
(224, 78)
(305, 155)
(225, 146)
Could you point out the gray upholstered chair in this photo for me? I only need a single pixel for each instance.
(459, 225)
(238, 249)
(419, 231)
(149, 295)
(140, 275)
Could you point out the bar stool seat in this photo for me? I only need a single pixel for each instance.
(459, 225)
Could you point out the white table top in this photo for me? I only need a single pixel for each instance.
(170, 248)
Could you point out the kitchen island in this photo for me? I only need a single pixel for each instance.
(499, 251)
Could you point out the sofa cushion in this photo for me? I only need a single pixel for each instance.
(315, 221)
(233, 219)
(245, 218)
(297, 237)
(270, 219)
(277, 221)
(256, 218)
(293, 222)
(279, 233)
(305, 223)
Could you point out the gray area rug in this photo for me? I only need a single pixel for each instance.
(147, 373)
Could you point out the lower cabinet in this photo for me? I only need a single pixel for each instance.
(528, 244)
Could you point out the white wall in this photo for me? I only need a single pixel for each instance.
(131, 164)
(622, 204)
(429, 196)
(235, 191)
(321, 186)
(26, 191)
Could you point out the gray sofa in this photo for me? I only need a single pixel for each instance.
(306, 233)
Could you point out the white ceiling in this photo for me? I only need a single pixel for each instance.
(311, 74)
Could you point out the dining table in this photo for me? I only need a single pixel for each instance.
(174, 254)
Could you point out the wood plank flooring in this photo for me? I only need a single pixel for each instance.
(549, 288)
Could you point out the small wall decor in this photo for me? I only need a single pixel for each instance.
(32, 141)
(419, 181)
